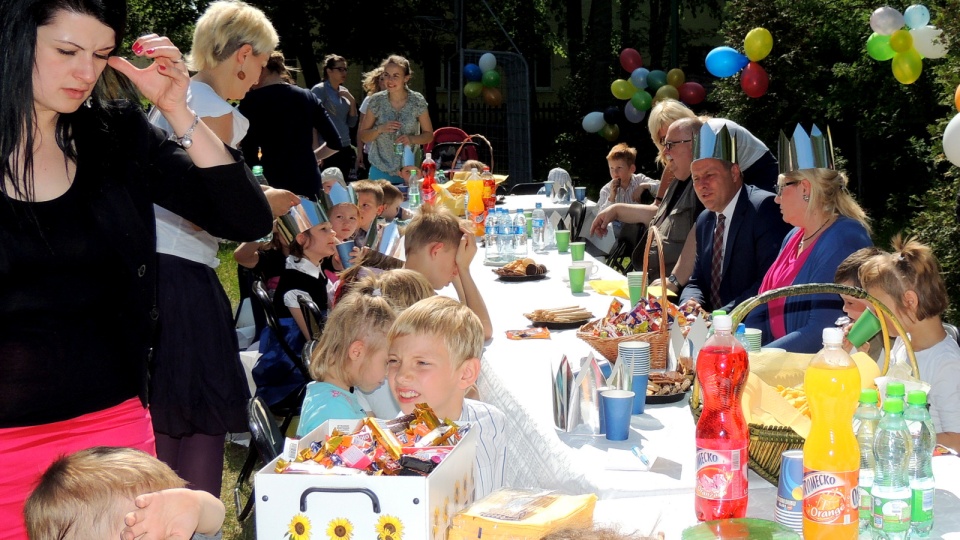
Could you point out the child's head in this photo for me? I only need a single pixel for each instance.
(370, 201)
(401, 287)
(353, 348)
(85, 495)
(907, 281)
(434, 357)
(392, 198)
(848, 273)
(431, 241)
(345, 218)
(331, 176)
(315, 243)
(622, 161)
(470, 164)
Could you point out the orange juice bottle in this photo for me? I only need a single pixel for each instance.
(476, 211)
(831, 455)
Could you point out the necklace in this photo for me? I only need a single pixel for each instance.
(804, 240)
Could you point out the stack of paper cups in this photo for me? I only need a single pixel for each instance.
(753, 336)
(789, 509)
(637, 285)
(636, 356)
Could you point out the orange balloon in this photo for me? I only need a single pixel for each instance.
(492, 96)
(956, 98)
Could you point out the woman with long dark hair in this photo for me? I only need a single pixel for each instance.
(77, 238)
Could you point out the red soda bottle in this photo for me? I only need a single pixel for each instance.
(429, 168)
(489, 189)
(722, 434)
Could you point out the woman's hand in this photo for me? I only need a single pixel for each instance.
(281, 200)
(165, 81)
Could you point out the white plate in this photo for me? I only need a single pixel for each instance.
(772, 350)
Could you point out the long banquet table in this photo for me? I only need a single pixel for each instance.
(516, 377)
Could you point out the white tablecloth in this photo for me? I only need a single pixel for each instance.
(529, 202)
(516, 377)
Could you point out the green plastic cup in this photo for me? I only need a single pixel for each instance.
(563, 241)
(864, 328)
(578, 275)
(636, 292)
(577, 249)
(528, 215)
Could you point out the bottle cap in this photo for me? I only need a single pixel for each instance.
(893, 405)
(741, 328)
(832, 335)
(719, 312)
(486, 168)
(428, 156)
(869, 395)
(539, 205)
(895, 389)
(917, 397)
(257, 169)
(722, 322)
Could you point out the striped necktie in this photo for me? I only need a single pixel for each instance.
(716, 268)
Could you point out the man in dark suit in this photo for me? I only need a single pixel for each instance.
(738, 235)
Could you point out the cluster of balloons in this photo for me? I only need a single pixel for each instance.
(727, 62)
(905, 46)
(483, 80)
(641, 91)
(951, 135)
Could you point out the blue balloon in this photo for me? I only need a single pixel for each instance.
(633, 115)
(472, 73)
(916, 16)
(639, 78)
(593, 122)
(724, 62)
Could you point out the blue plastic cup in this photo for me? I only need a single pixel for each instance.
(580, 193)
(616, 406)
(640, 393)
(344, 250)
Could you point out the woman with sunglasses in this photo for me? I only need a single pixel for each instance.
(342, 108)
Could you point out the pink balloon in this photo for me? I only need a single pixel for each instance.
(630, 60)
(692, 93)
(754, 80)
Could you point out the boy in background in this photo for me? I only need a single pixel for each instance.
(105, 493)
(392, 197)
(331, 176)
(370, 202)
(434, 358)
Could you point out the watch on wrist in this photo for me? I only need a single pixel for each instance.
(676, 282)
(187, 140)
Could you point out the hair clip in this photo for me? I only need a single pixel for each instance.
(376, 292)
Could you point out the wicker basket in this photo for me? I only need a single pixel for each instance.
(659, 340)
(767, 443)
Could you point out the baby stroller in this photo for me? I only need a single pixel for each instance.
(452, 146)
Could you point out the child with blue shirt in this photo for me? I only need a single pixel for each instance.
(434, 358)
(352, 353)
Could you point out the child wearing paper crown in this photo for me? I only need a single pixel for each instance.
(434, 358)
(908, 281)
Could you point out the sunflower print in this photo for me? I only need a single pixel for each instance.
(456, 493)
(299, 528)
(340, 529)
(389, 528)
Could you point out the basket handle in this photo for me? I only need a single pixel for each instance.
(469, 139)
(653, 233)
(740, 312)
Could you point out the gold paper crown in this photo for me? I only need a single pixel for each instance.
(814, 151)
(717, 145)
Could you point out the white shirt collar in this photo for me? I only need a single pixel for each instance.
(303, 265)
(731, 206)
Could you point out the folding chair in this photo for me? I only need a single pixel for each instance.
(266, 443)
(576, 215)
(623, 250)
(530, 188)
(312, 315)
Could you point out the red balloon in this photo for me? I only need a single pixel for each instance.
(692, 93)
(492, 96)
(630, 60)
(754, 80)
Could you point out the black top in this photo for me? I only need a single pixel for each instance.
(282, 119)
(78, 273)
(292, 279)
(270, 263)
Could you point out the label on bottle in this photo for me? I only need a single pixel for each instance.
(866, 500)
(538, 223)
(831, 498)
(922, 505)
(891, 514)
(722, 474)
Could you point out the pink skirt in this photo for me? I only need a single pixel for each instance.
(26, 452)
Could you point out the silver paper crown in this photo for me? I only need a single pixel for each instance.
(341, 195)
(814, 151)
(301, 217)
(717, 145)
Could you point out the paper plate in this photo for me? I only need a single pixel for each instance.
(511, 279)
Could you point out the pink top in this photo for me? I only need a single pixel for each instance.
(782, 273)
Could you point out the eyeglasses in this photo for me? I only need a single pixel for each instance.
(780, 187)
(668, 145)
(340, 69)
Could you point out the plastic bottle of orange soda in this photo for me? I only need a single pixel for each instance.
(831, 455)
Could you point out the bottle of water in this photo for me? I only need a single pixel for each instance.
(865, 422)
(924, 438)
(505, 235)
(491, 254)
(413, 192)
(539, 221)
(520, 235)
(891, 484)
(257, 171)
(741, 335)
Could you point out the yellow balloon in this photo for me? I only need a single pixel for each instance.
(676, 78)
(906, 66)
(610, 132)
(622, 89)
(758, 44)
(901, 41)
(666, 92)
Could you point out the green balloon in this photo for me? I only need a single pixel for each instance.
(491, 79)
(473, 89)
(878, 47)
(656, 79)
(641, 100)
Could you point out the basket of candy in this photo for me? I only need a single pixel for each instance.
(648, 321)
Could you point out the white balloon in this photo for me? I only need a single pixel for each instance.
(929, 42)
(487, 62)
(886, 20)
(951, 141)
(593, 122)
